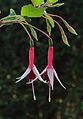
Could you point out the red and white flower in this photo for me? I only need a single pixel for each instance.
(49, 72)
(31, 72)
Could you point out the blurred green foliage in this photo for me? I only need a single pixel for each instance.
(16, 100)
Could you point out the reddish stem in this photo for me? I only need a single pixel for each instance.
(55, 16)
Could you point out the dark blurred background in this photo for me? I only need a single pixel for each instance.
(16, 101)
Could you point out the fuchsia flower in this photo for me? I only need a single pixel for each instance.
(49, 72)
(31, 72)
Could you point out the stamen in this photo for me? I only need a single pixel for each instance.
(49, 94)
(34, 97)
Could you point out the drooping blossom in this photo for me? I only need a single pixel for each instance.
(49, 72)
(31, 72)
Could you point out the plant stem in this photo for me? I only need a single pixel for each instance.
(3, 22)
(53, 20)
(56, 16)
(26, 30)
(38, 30)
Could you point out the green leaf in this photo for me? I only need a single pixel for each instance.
(11, 16)
(31, 11)
(33, 32)
(58, 5)
(71, 29)
(48, 27)
(63, 35)
(37, 2)
(12, 12)
(51, 1)
(50, 19)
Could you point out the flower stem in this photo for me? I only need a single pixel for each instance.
(53, 20)
(50, 43)
(26, 30)
(31, 43)
(56, 16)
(38, 30)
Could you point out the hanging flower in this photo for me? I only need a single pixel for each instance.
(31, 72)
(49, 72)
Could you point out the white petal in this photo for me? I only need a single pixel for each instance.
(43, 71)
(51, 76)
(58, 79)
(24, 75)
(37, 74)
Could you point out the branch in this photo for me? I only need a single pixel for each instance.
(4, 22)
